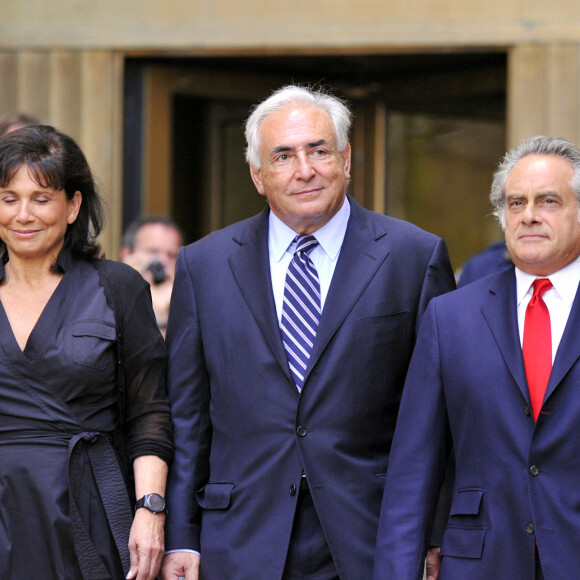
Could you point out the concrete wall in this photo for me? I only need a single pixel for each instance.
(63, 59)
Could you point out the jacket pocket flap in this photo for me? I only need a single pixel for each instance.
(96, 328)
(466, 502)
(463, 542)
(215, 496)
(382, 323)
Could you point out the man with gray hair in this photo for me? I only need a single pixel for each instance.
(496, 375)
(290, 334)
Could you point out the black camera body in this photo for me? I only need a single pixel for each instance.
(157, 271)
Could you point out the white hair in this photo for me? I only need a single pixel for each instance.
(337, 109)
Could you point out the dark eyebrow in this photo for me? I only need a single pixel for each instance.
(286, 148)
(281, 149)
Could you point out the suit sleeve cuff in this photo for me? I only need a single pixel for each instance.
(190, 551)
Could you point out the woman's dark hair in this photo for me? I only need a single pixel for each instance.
(55, 160)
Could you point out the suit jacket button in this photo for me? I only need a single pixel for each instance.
(301, 431)
(535, 470)
(530, 528)
(527, 411)
(292, 489)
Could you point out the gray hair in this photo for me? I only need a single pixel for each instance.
(538, 145)
(292, 95)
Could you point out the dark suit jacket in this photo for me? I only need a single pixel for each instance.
(243, 433)
(494, 258)
(516, 481)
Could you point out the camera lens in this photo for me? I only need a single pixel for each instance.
(158, 271)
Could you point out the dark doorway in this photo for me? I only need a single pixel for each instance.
(429, 130)
(211, 182)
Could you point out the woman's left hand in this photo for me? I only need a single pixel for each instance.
(146, 545)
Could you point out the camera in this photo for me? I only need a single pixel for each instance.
(157, 271)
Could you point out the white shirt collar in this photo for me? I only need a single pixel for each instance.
(565, 282)
(330, 236)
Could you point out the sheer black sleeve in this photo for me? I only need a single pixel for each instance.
(147, 421)
(145, 411)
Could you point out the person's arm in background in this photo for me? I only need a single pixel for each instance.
(439, 279)
(188, 385)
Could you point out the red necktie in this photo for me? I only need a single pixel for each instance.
(537, 347)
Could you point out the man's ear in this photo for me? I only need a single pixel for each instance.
(346, 156)
(256, 174)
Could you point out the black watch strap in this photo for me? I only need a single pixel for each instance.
(154, 502)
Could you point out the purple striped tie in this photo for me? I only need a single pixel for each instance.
(301, 308)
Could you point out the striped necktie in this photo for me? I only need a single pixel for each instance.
(300, 308)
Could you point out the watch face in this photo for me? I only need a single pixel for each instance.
(155, 502)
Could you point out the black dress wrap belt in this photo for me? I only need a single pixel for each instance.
(113, 492)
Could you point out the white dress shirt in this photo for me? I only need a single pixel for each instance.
(558, 299)
(281, 247)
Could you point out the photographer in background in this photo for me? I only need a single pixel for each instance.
(150, 244)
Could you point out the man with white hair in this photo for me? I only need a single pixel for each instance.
(496, 375)
(289, 336)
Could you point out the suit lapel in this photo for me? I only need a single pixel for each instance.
(363, 251)
(250, 264)
(569, 348)
(500, 313)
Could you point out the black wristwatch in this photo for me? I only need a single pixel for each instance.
(153, 502)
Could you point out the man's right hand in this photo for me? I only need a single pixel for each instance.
(180, 565)
(433, 563)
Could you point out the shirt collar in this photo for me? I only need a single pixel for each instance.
(565, 282)
(64, 260)
(330, 236)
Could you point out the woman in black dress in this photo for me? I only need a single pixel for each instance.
(84, 420)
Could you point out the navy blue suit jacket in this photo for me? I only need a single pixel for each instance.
(239, 453)
(494, 258)
(516, 481)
